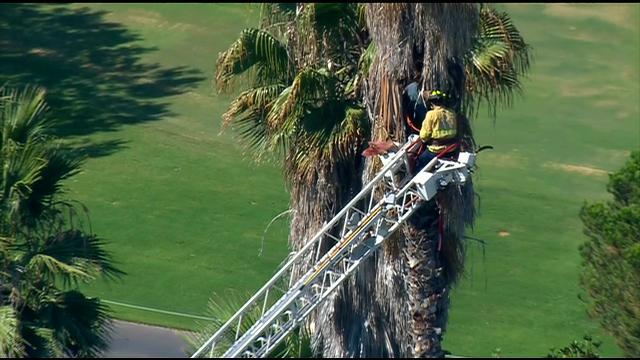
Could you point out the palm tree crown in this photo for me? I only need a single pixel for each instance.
(44, 252)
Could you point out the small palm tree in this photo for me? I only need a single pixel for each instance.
(44, 252)
(221, 308)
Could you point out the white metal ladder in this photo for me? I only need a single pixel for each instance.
(355, 233)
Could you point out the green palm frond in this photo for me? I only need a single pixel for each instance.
(498, 26)
(51, 268)
(80, 324)
(22, 168)
(362, 15)
(309, 88)
(296, 345)
(43, 343)
(309, 91)
(282, 122)
(40, 246)
(248, 112)
(303, 115)
(32, 170)
(255, 49)
(335, 18)
(336, 143)
(11, 344)
(340, 143)
(22, 115)
(496, 62)
(69, 257)
(221, 309)
(366, 59)
(59, 166)
(487, 54)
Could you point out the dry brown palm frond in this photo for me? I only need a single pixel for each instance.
(429, 33)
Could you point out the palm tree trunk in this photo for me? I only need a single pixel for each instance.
(426, 289)
(423, 40)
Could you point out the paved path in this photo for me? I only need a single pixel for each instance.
(140, 341)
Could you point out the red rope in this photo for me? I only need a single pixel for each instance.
(411, 124)
(447, 150)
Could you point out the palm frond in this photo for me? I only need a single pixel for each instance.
(11, 344)
(309, 90)
(344, 138)
(43, 343)
(221, 309)
(59, 166)
(80, 324)
(71, 256)
(496, 62)
(23, 115)
(336, 143)
(51, 268)
(366, 59)
(335, 17)
(498, 26)
(248, 113)
(255, 49)
(22, 168)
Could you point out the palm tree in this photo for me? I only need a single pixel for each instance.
(221, 308)
(320, 80)
(44, 251)
(475, 54)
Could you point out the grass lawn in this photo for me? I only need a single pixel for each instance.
(184, 210)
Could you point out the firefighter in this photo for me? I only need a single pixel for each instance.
(439, 129)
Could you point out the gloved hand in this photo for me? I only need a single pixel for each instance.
(378, 148)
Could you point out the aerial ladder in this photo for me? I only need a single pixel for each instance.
(354, 234)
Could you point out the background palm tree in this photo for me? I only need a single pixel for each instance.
(44, 251)
(321, 79)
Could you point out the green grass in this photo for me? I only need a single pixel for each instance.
(581, 108)
(184, 210)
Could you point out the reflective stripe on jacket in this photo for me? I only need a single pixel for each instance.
(439, 124)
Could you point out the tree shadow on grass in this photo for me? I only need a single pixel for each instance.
(91, 69)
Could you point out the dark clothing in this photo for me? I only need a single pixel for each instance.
(424, 159)
(414, 104)
(427, 156)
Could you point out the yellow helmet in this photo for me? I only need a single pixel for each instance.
(437, 95)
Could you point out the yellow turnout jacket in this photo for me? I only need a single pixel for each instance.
(439, 124)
